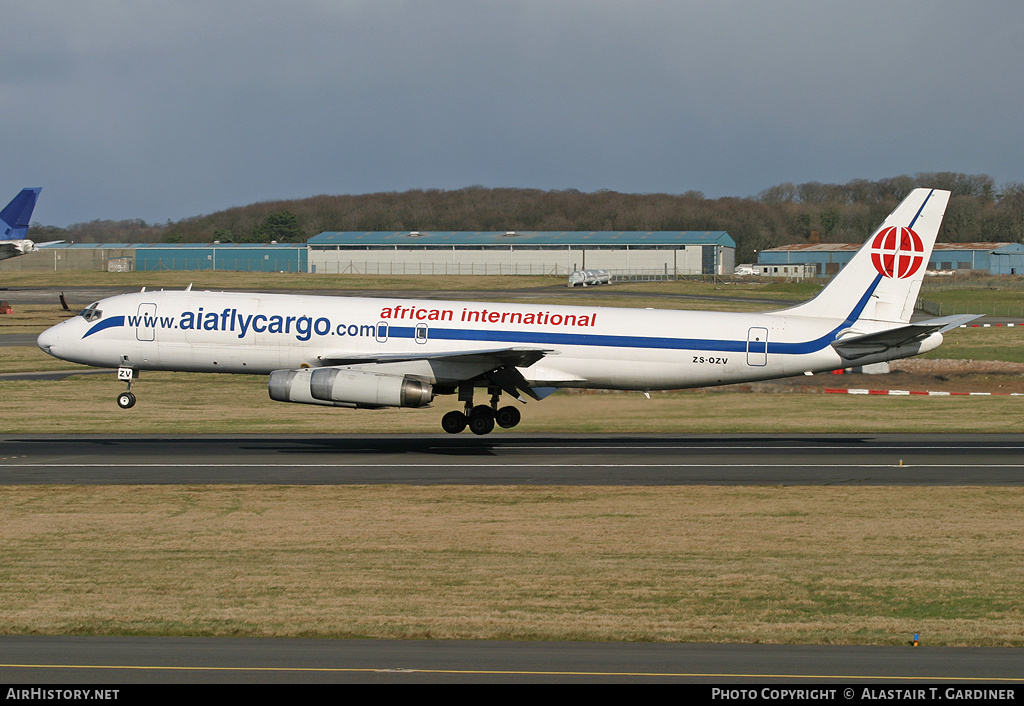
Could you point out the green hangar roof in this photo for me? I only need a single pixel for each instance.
(521, 239)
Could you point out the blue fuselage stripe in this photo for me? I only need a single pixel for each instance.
(106, 323)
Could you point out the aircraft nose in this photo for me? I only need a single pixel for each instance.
(48, 339)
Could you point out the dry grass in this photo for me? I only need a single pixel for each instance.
(20, 359)
(188, 403)
(814, 565)
(33, 318)
(978, 343)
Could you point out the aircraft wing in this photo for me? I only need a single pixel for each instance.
(858, 346)
(494, 357)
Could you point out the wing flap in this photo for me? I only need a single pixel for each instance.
(497, 357)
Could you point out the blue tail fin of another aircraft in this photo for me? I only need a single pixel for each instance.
(16, 215)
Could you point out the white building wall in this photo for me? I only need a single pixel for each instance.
(801, 271)
(682, 261)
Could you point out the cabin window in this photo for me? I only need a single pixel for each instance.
(91, 313)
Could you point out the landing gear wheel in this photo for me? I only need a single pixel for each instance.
(481, 420)
(454, 422)
(125, 400)
(507, 417)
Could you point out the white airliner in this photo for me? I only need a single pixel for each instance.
(370, 353)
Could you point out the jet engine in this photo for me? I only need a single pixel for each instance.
(341, 387)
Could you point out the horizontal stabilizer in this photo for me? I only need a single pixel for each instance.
(858, 346)
(13, 248)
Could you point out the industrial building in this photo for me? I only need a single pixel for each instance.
(622, 253)
(523, 253)
(821, 260)
(125, 257)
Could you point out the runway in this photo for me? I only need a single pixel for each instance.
(511, 459)
(111, 660)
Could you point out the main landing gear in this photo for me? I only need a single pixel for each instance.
(480, 418)
(126, 399)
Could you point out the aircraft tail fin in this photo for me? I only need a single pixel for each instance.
(882, 281)
(16, 215)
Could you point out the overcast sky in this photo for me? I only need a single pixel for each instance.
(176, 108)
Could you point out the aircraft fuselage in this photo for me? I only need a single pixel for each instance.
(596, 347)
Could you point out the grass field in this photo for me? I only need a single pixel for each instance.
(196, 404)
(837, 565)
(997, 343)
(990, 301)
(754, 564)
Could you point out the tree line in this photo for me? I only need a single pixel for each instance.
(978, 211)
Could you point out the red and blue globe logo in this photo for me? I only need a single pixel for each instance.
(897, 252)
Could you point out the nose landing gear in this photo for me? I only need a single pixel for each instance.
(126, 399)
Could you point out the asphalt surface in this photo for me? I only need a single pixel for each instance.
(113, 660)
(17, 339)
(513, 459)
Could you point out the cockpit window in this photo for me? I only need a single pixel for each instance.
(91, 313)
